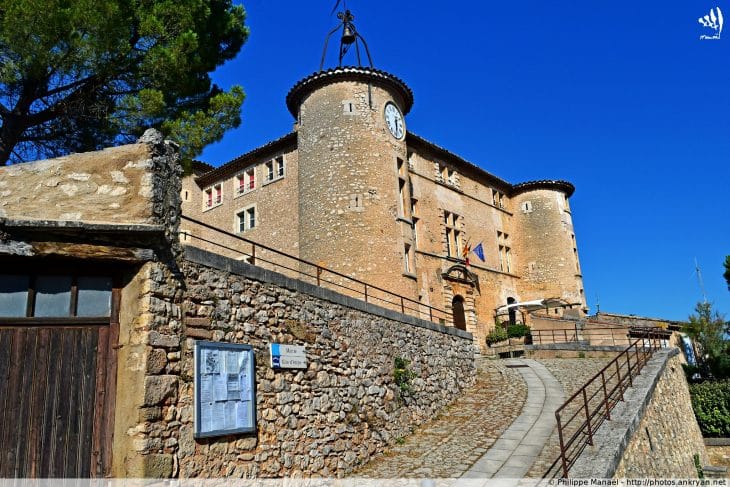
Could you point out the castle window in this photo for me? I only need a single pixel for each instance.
(348, 107)
(446, 175)
(498, 198)
(527, 207)
(245, 181)
(414, 219)
(408, 259)
(403, 196)
(356, 202)
(275, 169)
(246, 219)
(505, 252)
(401, 167)
(402, 190)
(213, 196)
(452, 223)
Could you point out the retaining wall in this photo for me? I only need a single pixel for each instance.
(653, 433)
(322, 421)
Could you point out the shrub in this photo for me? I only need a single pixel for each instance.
(497, 335)
(711, 404)
(402, 375)
(517, 331)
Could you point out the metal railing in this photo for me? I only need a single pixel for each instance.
(583, 413)
(602, 336)
(268, 257)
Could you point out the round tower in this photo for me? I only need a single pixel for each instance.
(352, 151)
(547, 250)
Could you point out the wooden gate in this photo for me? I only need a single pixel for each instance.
(57, 382)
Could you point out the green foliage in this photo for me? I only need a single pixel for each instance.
(707, 329)
(698, 466)
(499, 334)
(726, 275)
(402, 375)
(83, 74)
(517, 331)
(711, 404)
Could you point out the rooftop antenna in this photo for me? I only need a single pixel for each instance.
(350, 36)
(699, 279)
(598, 304)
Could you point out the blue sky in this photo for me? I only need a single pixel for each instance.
(621, 98)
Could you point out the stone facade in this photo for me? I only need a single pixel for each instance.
(276, 224)
(397, 212)
(322, 421)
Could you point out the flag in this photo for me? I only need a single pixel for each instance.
(479, 251)
(465, 252)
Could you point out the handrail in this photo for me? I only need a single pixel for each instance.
(593, 402)
(616, 335)
(367, 292)
(574, 334)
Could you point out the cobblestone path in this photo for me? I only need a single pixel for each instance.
(449, 445)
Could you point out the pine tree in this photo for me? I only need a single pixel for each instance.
(78, 75)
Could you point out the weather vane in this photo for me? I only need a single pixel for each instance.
(350, 37)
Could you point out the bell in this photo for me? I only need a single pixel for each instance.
(348, 37)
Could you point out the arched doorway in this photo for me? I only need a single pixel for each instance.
(457, 306)
(512, 312)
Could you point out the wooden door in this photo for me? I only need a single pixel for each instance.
(457, 305)
(57, 382)
(52, 383)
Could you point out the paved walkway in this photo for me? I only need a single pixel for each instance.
(515, 451)
(502, 428)
(448, 445)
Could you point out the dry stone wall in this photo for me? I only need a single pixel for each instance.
(322, 421)
(668, 436)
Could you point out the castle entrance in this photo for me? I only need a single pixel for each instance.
(457, 307)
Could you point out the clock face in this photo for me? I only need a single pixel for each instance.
(394, 120)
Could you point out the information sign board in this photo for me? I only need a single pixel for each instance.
(288, 356)
(225, 389)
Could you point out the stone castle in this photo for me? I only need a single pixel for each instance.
(352, 190)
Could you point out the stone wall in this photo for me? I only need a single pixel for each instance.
(121, 204)
(668, 436)
(115, 185)
(653, 433)
(322, 421)
(718, 451)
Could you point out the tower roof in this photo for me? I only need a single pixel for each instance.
(554, 184)
(347, 73)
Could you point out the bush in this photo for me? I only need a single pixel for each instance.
(517, 331)
(402, 375)
(711, 403)
(499, 334)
